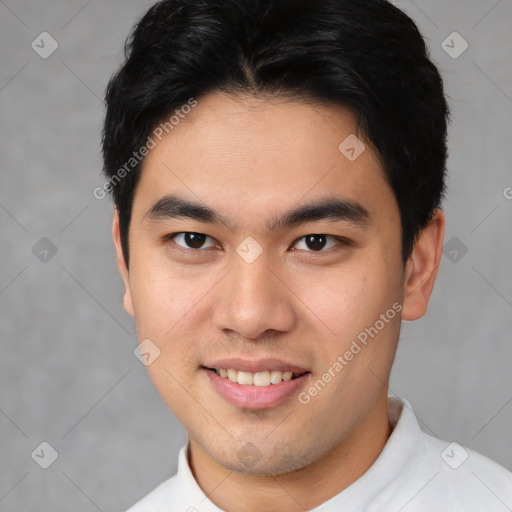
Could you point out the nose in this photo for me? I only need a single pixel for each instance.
(253, 299)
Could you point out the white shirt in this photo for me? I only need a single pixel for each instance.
(415, 472)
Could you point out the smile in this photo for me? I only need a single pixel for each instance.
(263, 378)
(255, 390)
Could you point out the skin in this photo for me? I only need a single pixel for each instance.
(251, 159)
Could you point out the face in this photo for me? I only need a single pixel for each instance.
(240, 283)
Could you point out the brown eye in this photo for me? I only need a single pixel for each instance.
(191, 240)
(319, 242)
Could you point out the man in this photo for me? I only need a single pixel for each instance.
(277, 169)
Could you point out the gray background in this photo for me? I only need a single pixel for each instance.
(68, 375)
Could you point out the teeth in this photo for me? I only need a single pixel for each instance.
(261, 379)
(265, 378)
(244, 378)
(276, 376)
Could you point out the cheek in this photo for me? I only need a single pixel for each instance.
(169, 301)
(347, 299)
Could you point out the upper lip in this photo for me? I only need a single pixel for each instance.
(255, 366)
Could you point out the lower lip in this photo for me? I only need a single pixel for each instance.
(255, 397)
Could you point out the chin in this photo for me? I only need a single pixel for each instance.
(266, 462)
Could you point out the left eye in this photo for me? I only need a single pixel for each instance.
(318, 242)
(312, 242)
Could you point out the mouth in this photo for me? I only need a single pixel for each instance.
(261, 379)
(264, 389)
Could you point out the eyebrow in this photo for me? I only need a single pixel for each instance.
(327, 208)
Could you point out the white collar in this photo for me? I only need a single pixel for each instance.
(383, 479)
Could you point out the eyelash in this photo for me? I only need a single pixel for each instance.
(342, 241)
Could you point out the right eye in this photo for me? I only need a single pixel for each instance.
(190, 240)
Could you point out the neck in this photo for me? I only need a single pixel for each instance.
(299, 490)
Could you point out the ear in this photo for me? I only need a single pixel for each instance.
(121, 264)
(422, 266)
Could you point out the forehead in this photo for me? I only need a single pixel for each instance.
(264, 123)
(249, 155)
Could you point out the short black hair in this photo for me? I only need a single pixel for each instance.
(366, 55)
